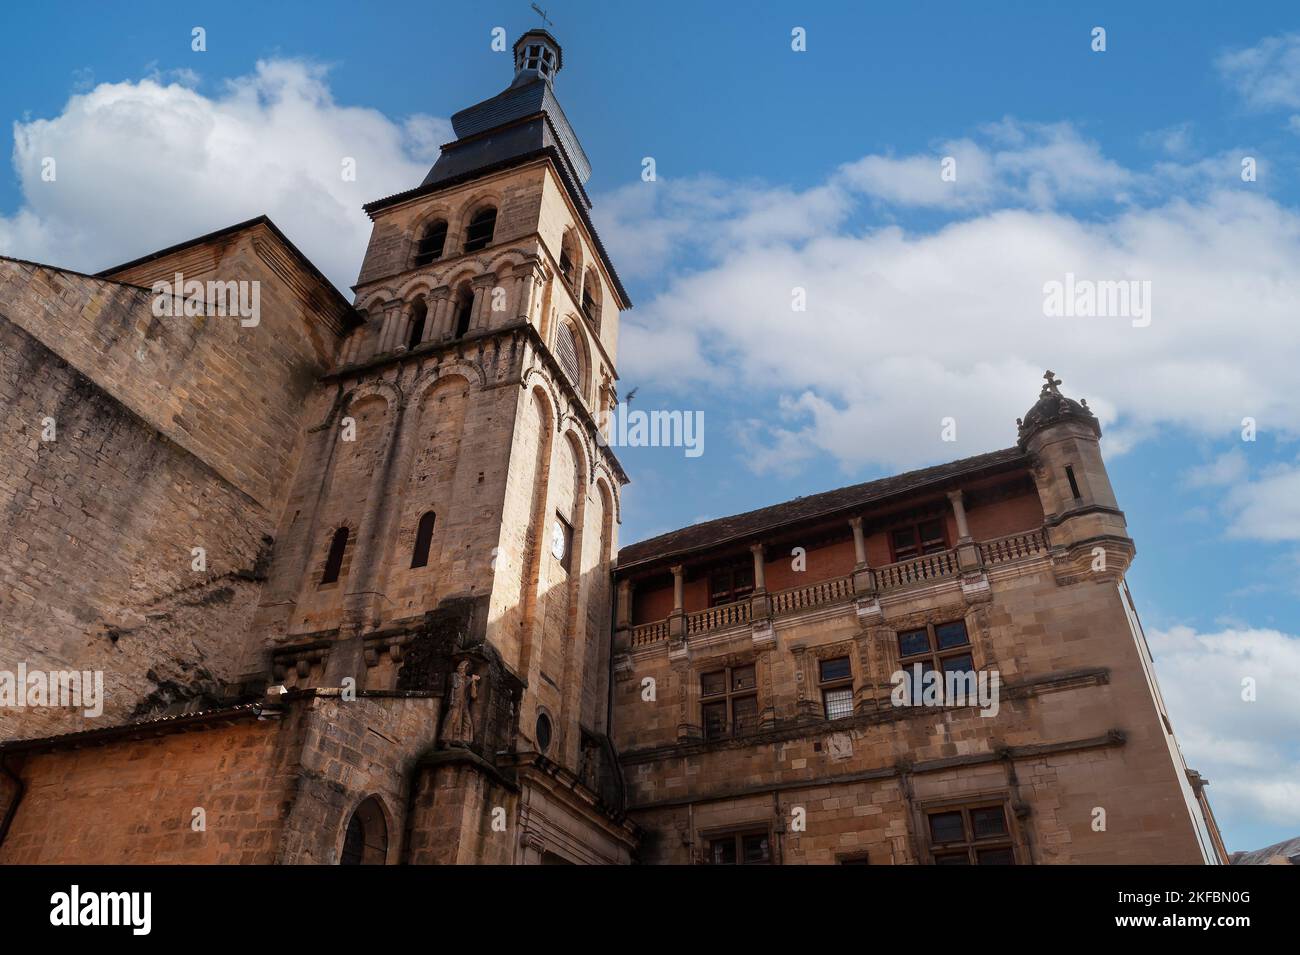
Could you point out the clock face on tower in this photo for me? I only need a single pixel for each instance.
(559, 540)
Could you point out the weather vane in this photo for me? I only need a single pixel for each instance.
(541, 13)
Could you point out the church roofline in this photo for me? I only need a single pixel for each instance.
(576, 193)
(345, 307)
(159, 726)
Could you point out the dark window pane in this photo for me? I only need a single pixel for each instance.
(744, 713)
(989, 821)
(952, 859)
(723, 851)
(479, 233)
(946, 827)
(431, 243)
(754, 849)
(742, 678)
(334, 560)
(838, 703)
(995, 857)
(931, 531)
(712, 683)
(543, 732)
(962, 663)
(904, 542)
(464, 312)
(837, 669)
(913, 642)
(951, 634)
(715, 720)
(423, 538)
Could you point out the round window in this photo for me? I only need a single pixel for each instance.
(559, 540)
(543, 732)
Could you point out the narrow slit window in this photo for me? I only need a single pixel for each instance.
(334, 560)
(1074, 484)
(423, 538)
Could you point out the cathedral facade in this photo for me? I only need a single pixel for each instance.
(350, 575)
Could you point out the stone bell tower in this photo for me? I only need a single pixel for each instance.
(454, 505)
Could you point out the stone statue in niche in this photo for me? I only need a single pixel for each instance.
(458, 725)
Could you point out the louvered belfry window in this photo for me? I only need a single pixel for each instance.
(567, 347)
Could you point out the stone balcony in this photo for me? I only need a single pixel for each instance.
(967, 564)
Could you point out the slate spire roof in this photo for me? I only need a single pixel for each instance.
(520, 120)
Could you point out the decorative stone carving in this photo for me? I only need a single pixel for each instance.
(458, 724)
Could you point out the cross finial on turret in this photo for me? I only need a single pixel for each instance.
(1050, 387)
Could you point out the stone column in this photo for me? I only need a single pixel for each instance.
(529, 281)
(442, 314)
(401, 341)
(760, 607)
(392, 319)
(624, 604)
(481, 317)
(968, 553)
(864, 581)
(859, 544)
(677, 620)
(623, 615)
(959, 511)
(433, 318)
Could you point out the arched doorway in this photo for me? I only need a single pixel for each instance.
(366, 839)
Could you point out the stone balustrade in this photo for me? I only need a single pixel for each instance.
(928, 568)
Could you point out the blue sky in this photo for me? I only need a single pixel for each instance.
(816, 169)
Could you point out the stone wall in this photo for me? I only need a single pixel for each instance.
(96, 535)
(1077, 730)
(133, 801)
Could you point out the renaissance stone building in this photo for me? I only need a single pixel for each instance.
(351, 576)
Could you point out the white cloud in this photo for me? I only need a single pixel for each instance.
(1267, 508)
(1266, 75)
(906, 328)
(142, 165)
(1176, 140)
(1250, 751)
(1228, 468)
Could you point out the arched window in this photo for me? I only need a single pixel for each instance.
(423, 538)
(479, 234)
(366, 839)
(566, 347)
(432, 240)
(569, 258)
(591, 299)
(334, 561)
(419, 315)
(464, 309)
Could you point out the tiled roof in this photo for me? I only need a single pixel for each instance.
(1290, 849)
(828, 503)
